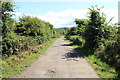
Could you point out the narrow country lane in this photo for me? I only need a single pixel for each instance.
(60, 61)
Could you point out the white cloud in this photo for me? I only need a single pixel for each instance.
(59, 19)
(62, 19)
(66, 18)
(111, 13)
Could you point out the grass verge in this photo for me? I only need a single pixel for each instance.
(102, 69)
(15, 64)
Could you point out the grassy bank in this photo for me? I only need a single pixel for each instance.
(15, 64)
(102, 69)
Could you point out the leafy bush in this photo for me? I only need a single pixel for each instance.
(73, 38)
(77, 40)
(99, 37)
(29, 31)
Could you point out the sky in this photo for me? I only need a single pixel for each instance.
(62, 13)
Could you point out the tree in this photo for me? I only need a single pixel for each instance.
(81, 24)
(8, 22)
(95, 30)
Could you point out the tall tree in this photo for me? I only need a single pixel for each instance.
(7, 21)
(95, 30)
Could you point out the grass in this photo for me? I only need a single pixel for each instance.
(102, 69)
(15, 64)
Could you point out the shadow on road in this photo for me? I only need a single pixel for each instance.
(76, 52)
(72, 54)
(66, 45)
